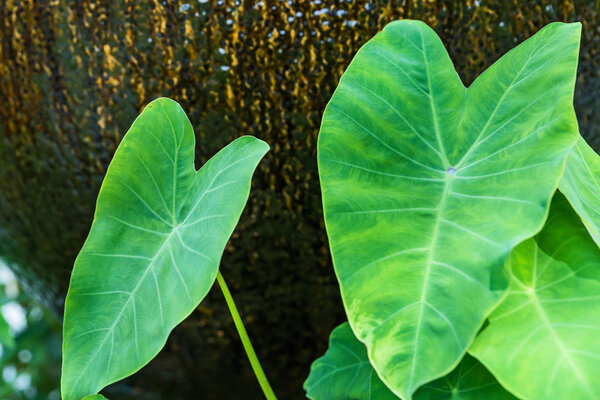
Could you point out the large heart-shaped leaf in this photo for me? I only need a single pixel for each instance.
(427, 186)
(344, 373)
(581, 185)
(542, 341)
(153, 251)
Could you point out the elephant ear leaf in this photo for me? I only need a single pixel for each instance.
(542, 340)
(470, 380)
(344, 373)
(154, 248)
(581, 185)
(427, 187)
(95, 397)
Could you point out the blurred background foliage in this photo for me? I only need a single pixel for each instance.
(29, 344)
(75, 73)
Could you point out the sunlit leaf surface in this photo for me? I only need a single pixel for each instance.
(153, 251)
(427, 186)
(543, 340)
(581, 185)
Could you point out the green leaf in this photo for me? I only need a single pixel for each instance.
(344, 373)
(95, 397)
(427, 186)
(542, 341)
(581, 185)
(6, 337)
(468, 381)
(154, 248)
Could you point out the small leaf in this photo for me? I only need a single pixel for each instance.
(6, 337)
(469, 381)
(427, 187)
(542, 341)
(581, 185)
(344, 373)
(154, 248)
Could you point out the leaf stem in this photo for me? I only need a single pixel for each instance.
(237, 320)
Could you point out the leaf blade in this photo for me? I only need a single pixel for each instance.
(581, 186)
(344, 371)
(402, 163)
(536, 327)
(151, 261)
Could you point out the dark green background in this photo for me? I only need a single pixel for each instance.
(74, 75)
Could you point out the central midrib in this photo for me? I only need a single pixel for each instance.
(436, 228)
(434, 238)
(118, 318)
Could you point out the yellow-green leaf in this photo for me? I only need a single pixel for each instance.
(542, 341)
(581, 185)
(427, 187)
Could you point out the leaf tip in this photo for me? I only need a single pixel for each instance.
(259, 144)
(573, 28)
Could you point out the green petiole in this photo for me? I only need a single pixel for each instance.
(239, 325)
